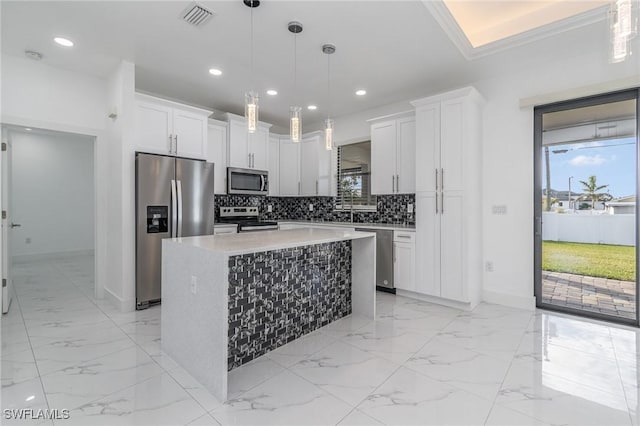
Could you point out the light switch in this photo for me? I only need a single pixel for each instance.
(410, 208)
(310, 207)
(269, 208)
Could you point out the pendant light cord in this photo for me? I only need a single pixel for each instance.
(295, 68)
(251, 49)
(328, 86)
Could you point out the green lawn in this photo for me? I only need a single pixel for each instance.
(594, 260)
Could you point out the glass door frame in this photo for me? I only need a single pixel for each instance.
(538, 113)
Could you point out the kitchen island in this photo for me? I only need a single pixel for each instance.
(228, 299)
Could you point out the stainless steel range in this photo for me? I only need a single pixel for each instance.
(246, 218)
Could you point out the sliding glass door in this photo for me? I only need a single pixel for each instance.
(586, 197)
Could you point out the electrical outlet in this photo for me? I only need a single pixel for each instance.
(488, 266)
(269, 208)
(310, 207)
(194, 284)
(499, 209)
(27, 240)
(410, 208)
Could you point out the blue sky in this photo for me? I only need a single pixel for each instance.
(612, 162)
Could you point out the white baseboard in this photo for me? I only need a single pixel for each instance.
(437, 300)
(122, 304)
(25, 258)
(511, 300)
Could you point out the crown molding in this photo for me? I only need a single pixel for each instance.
(445, 19)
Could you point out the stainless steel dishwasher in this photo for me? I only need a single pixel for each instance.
(384, 258)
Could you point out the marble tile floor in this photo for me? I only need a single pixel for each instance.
(417, 363)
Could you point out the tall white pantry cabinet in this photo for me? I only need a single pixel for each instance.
(448, 196)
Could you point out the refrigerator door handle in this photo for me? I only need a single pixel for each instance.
(174, 210)
(179, 185)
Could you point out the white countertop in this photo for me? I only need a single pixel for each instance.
(391, 226)
(251, 242)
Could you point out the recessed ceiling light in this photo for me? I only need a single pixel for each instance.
(28, 129)
(361, 92)
(30, 398)
(63, 41)
(312, 107)
(215, 71)
(272, 92)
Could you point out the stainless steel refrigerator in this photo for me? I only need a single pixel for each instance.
(174, 198)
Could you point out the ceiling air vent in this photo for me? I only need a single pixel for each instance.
(196, 14)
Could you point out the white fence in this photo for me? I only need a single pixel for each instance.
(616, 229)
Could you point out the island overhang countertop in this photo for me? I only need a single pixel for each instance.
(231, 244)
(228, 299)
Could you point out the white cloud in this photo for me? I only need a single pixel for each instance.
(588, 160)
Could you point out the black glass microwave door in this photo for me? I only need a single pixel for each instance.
(245, 181)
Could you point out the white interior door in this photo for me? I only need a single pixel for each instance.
(5, 175)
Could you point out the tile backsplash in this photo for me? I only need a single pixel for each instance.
(390, 208)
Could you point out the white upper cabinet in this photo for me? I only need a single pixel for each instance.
(393, 166)
(383, 157)
(166, 127)
(289, 168)
(217, 153)
(247, 151)
(274, 165)
(315, 166)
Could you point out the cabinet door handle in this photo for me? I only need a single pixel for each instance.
(249, 160)
(393, 183)
(299, 190)
(442, 179)
(436, 180)
(404, 236)
(397, 183)
(176, 150)
(436, 203)
(441, 203)
(253, 160)
(317, 190)
(170, 144)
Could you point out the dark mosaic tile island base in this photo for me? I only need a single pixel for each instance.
(278, 296)
(390, 208)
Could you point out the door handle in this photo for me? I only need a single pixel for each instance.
(393, 183)
(316, 186)
(299, 188)
(179, 185)
(441, 202)
(442, 179)
(176, 150)
(538, 226)
(436, 203)
(249, 160)
(253, 160)
(436, 180)
(174, 209)
(397, 183)
(15, 225)
(170, 144)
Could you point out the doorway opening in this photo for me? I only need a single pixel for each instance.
(586, 220)
(49, 198)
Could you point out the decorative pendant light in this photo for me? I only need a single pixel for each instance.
(328, 49)
(251, 98)
(623, 26)
(295, 112)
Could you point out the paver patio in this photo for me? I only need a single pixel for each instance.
(606, 296)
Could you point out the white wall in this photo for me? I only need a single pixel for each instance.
(40, 93)
(508, 160)
(53, 193)
(37, 95)
(619, 229)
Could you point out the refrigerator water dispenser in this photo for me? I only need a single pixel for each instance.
(157, 219)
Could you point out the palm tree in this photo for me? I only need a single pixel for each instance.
(592, 191)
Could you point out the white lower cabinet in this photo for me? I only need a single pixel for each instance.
(404, 260)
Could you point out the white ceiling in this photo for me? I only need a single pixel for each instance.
(396, 50)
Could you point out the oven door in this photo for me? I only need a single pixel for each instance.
(247, 181)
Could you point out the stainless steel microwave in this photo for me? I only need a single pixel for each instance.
(247, 181)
